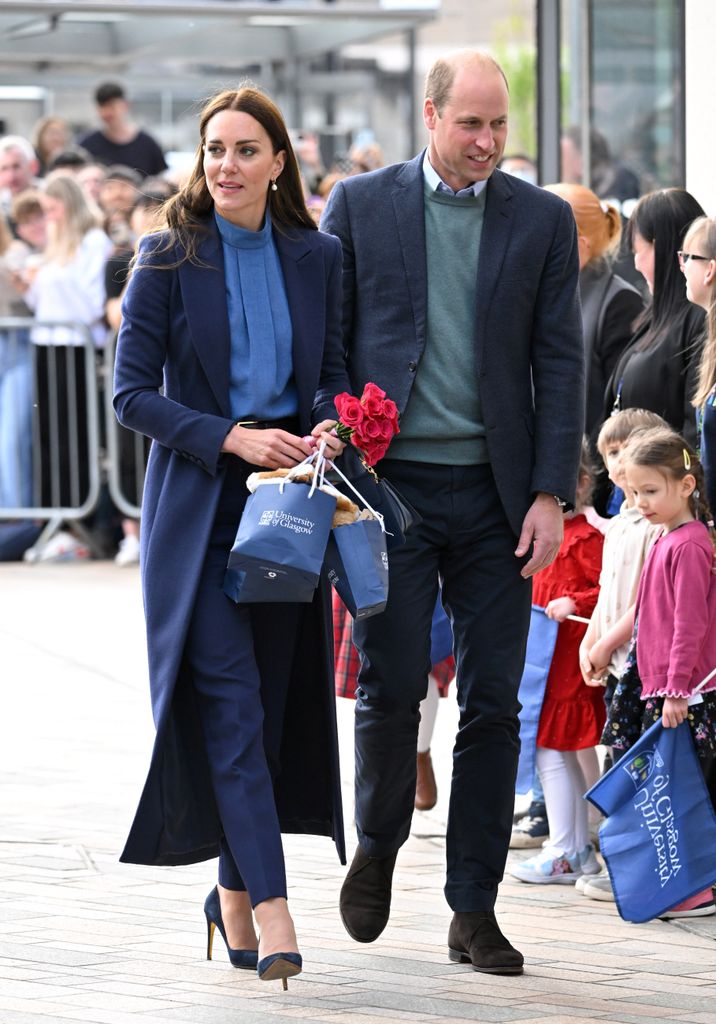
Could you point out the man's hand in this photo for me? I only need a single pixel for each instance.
(544, 529)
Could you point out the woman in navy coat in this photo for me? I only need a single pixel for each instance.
(229, 351)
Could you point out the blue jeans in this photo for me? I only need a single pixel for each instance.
(15, 420)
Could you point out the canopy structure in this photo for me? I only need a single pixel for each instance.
(175, 37)
(184, 47)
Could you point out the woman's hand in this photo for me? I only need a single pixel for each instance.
(676, 710)
(560, 608)
(271, 448)
(324, 431)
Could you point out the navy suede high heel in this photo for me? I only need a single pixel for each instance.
(246, 959)
(279, 967)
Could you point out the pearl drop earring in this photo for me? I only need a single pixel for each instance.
(274, 186)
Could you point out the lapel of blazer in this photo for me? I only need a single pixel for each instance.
(204, 293)
(409, 207)
(305, 285)
(496, 231)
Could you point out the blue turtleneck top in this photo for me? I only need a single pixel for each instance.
(262, 384)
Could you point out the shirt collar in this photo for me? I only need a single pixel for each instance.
(436, 184)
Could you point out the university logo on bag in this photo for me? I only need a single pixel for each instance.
(641, 768)
(276, 517)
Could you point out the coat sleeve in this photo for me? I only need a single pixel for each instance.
(143, 347)
(558, 365)
(334, 377)
(336, 221)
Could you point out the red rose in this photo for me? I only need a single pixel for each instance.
(390, 410)
(374, 453)
(373, 405)
(372, 391)
(350, 411)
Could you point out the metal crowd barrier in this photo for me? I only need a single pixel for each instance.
(126, 451)
(59, 475)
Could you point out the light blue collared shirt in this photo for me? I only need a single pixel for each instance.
(436, 184)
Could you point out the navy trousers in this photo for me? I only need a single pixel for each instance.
(241, 711)
(466, 539)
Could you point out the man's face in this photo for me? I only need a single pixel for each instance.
(468, 138)
(15, 171)
(117, 195)
(113, 113)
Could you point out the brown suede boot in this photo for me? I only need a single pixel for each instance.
(426, 790)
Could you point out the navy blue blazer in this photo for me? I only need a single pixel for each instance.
(175, 335)
(528, 329)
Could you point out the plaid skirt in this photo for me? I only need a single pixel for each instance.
(348, 661)
(629, 716)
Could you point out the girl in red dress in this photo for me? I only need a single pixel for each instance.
(572, 714)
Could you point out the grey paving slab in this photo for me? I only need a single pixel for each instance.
(84, 938)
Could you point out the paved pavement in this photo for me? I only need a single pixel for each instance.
(83, 938)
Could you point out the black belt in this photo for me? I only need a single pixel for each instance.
(290, 423)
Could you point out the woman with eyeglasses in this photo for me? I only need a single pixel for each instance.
(659, 369)
(698, 264)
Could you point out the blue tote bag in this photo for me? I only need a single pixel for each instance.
(659, 837)
(540, 648)
(280, 544)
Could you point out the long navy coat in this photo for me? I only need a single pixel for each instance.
(175, 335)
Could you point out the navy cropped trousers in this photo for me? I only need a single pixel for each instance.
(241, 711)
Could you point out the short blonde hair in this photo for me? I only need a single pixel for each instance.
(619, 427)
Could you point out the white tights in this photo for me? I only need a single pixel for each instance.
(428, 714)
(564, 787)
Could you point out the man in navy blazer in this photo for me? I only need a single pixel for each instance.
(460, 300)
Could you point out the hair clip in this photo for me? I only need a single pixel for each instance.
(687, 459)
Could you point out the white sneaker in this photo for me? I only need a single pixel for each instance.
(550, 867)
(588, 861)
(128, 553)
(599, 887)
(63, 547)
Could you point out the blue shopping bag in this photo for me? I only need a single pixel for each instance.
(280, 544)
(659, 837)
(440, 634)
(540, 648)
(357, 565)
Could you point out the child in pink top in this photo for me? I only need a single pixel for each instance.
(674, 617)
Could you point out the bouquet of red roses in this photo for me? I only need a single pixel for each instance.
(368, 423)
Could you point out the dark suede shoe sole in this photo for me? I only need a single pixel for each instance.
(464, 958)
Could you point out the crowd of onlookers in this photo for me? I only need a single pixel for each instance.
(72, 207)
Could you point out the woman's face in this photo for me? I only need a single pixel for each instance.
(239, 165)
(699, 273)
(54, 210)
(644, 259)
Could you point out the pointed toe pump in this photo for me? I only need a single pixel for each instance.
(280, 967)
(245, 959)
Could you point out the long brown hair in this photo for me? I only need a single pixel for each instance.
(186, 212)
(703, 232)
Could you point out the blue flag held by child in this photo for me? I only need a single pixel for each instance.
(659, 837)
(540, 648)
